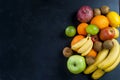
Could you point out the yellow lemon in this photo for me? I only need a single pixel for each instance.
(113, 18)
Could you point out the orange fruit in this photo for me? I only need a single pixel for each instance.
(81, 28)
(92, 53)
(100, 21)
(76, 39)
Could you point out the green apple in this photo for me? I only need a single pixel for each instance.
(92, 29)
(76, 64)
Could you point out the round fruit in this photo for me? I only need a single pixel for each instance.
(100, 21)
(97, 46)
(81, 28)
(107, 33)
(76, 64)
(92, 29)
(105, 9)
(108, 44)
(67, 52)
(89, 60)
(85, 14)
(113, 18)
(116, 32)
(70, 31)
(92, 53)
(96, 11)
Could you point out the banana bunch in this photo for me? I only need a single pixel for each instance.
(84, 46)
(106, 61)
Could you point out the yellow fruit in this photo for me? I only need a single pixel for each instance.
(113, 18)
(116, 32)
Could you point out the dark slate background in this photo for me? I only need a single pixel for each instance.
(32, 38)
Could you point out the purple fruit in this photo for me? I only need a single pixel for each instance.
(85, 14)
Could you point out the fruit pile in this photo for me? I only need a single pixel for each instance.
(94, 48)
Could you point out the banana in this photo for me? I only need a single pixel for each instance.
(113, 66)
(85, 46)
(88, 50)
(79, 44)
(111, 58)
(100, 57)
(98, 74)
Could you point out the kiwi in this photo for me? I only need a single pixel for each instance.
(67, 52)
(97, 46)
(96, 11)
(105, 9)
(89, 60)
(108, 44)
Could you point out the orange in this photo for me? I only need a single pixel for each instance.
(81, 28)
(100, 21)
(92, 53)
(76, 39)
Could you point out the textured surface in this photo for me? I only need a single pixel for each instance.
(32, 38)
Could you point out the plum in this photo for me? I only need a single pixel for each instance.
(85, 14)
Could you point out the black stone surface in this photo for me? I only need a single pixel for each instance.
(32, 38)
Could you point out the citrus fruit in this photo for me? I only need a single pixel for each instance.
(70, 31)
(114, 18)
(100, 21)
(81, 28)
(92, 53)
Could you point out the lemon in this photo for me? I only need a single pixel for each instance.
(113, 18)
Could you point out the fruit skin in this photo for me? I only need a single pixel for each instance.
(95, 38)
(108, 44)
(98, 74)
(76, 64)
(81, 29)
(85, 14)
(97, 46)
(113, 18)
(79, 44)
(105, 9)
(112, 67)
(67, 52)
(116, 32)
(92, 29)
(107, 33)
(70, 31)
(100, 21)
(96, 11)
(100, 57)
(76, 39)
(112, 57)
(85, 47)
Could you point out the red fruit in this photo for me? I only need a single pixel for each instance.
(85, 14)
(107, 33)
(95, 38)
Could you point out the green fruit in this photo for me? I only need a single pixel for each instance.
(70, 31)
(76, 64)
(92, 29)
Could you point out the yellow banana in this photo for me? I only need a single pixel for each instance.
(112, 67)
(79, 44)
(100, 57)
(111, 58)
(88, 50)
(98, 74)
(85, 46)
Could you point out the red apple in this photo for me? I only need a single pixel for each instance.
(95, 38)
(107, 33)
